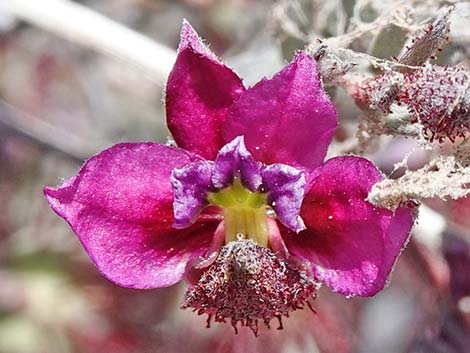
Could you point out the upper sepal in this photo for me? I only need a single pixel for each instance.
(288, 119)
(199, 91)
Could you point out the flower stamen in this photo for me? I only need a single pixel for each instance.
(248, 284)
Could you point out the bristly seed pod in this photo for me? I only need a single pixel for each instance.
(383, 90)
(378, 93)
(439, 98)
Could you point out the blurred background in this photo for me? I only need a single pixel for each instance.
(70, 88)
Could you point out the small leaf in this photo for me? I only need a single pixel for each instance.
(388, 42)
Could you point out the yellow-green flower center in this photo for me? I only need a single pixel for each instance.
(244, 213)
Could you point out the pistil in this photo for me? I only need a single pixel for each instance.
(244, 213)
(248, 223)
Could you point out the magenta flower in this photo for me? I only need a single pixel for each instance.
(245, 209)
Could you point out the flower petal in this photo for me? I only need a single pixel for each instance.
(191, 186)
(285, 187)
(120, 206)
(234, 160)
(199, 91)
(351, 244)
(288, 119)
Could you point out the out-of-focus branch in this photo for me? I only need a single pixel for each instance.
(45, 134)
(444, 177)
(84, 26)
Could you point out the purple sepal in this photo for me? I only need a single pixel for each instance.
(234, 160)
(191, 185)
(285, 186)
